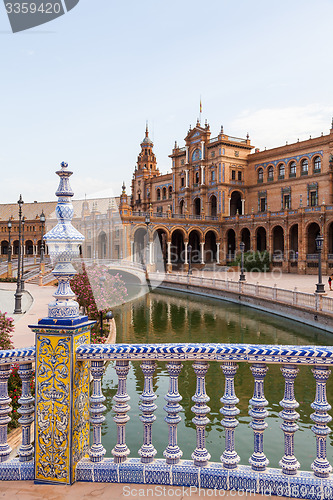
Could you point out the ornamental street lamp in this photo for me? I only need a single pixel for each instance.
(189, 250)
(9, 225)
(242, 248)
(22, 272)
(42, 220)
(101, 283)
(18, 293)
(320, 287)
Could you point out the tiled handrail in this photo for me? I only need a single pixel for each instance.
(21, 468)
(200, 471)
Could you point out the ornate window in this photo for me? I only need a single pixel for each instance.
(281, 171)
(312, 194)
(270, 173)
(197, 177)
(233, 175)
(304, 167)
(158, 194)
(182, 181)
(170, 192)
(292, 169)
(239, 175)
(196, 156)
(317, 165)
(286, 198)
(260, 175)
(164, 193)
(262, 201)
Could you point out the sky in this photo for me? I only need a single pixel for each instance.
(81, 88)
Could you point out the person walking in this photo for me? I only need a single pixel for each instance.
(330, 282)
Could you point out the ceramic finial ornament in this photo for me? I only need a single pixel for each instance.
(64, 242)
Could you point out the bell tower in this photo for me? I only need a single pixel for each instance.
(145, 170)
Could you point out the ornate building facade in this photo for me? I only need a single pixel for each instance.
(221, 191)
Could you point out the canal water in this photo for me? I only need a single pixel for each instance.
(161, 317)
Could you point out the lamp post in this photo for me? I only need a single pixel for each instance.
(320, 287)
(242, 248)
(189, 249)
(9, 225)
(42, 220)
(18, 293)
(9, 265)
(22, 272)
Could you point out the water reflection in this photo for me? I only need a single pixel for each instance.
(171, 317)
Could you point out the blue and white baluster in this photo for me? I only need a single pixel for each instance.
(289, 462)
(173, 453)
(229, 458)
(5, 410)
(147, 451)
(258, 460)
(26, 450)
(321, 466)
(121, 451)
(97, 451)
(200, 456)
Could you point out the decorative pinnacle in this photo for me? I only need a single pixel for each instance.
(124, 187)
(64, 188)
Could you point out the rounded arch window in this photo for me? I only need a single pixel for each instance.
(317, 164)
(270, 173)
(304, 166)
(260, 175)
(196, 155)
(164, 193)
(170, 191)
(158, 194)
(292, 169)
(282, 171)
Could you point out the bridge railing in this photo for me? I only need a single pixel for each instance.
(197, 470)
(311, 301)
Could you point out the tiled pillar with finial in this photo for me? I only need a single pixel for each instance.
(62, 384)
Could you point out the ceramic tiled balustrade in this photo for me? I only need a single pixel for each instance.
(175, 469)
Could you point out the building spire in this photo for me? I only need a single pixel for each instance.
(146, 128)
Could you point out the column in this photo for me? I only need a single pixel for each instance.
(186, 256)
(228, 208)
(121, 407)
(202, 174)
(202, 252)
(258, 460)
(202, 150)
(243, 206)
(321, 466)
(200, 456)
(289, 463)
(172, 452)
(132, 251)
(169, 265)
(147, 406)
(62, 383)
(217, 253)
(229, 411)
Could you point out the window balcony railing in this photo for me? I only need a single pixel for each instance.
(281, 177)
(292, 174)
(260, 181)
(304, 172)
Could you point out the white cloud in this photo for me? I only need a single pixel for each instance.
(272, 127)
